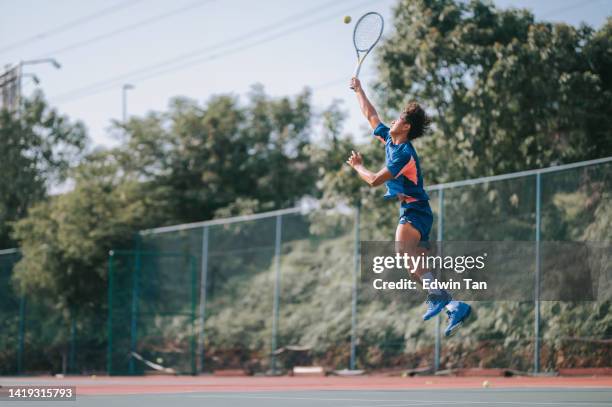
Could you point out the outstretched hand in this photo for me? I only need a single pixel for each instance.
(355, 84)
(355, 159)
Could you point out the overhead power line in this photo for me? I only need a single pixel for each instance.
(70, 24)
(561, 10)
(130, 27)
(169, 65)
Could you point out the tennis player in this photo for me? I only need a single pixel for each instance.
(404, 180)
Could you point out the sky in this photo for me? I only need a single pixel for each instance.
(199, 48)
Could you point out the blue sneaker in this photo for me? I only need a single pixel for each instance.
(457, 317)
(435, 304)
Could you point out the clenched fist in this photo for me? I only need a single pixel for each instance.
(355, 84)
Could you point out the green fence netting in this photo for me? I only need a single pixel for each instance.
(12, 308)
(266, 292)
(152, 300)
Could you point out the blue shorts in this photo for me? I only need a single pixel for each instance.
(419, 215)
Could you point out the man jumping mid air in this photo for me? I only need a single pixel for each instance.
(403, 178)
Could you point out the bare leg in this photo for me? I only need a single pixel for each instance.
(407, 239)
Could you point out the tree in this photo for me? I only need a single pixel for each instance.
(223, 158)
(507, 93)
(65, 240)
(37, 147)
(177, 166)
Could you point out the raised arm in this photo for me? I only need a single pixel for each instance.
(373, 179)
(366, 107)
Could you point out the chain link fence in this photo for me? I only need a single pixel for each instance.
(265, 292)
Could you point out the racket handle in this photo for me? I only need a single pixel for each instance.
(357, 69)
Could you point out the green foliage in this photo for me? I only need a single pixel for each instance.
(507, 93)
(65, 240)
(38, 147)
(182, 165)
(224, 156)
(314, 303)
(576, 329)
(9, 315)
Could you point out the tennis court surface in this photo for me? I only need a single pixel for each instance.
(329, 391)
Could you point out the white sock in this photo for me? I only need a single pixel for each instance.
(428, 276)
(452, 306)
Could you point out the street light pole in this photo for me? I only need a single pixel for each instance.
(124, 90)
(51, 61)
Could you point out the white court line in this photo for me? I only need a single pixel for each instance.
(409, 402)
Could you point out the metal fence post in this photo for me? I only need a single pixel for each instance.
(277, 253)
(192, 344)
(71, 356)
(20, 346)
(536, 351)
(354, 291)
(109, 351)
(134, 316)
(203, 278)
(440, 238)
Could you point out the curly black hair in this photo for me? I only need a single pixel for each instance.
(414, 115)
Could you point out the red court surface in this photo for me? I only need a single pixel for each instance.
(104, 385)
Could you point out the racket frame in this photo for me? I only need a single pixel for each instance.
(360, 59)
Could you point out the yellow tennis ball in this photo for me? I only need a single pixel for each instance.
(347, 19)
(486, 384)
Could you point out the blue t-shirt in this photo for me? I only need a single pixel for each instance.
(403, 162)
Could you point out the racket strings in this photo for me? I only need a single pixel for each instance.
(367, 32)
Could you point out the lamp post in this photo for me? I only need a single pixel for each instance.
(124, 90)
(51, 61)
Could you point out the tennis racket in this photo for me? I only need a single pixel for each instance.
(367, 33)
